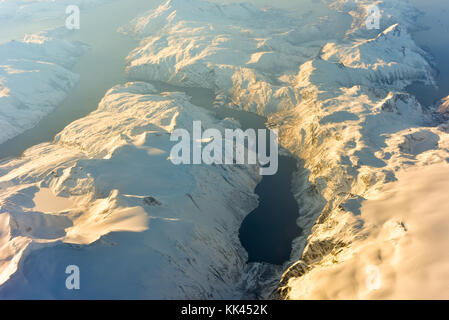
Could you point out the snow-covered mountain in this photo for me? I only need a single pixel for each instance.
(35, 77)
(341, 107)
(371, 191)
(252, 60)
(358, 132)
(105, 196)
(237, 49)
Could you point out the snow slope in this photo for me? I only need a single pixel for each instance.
(403, 252)
(35, 77)
(105, 197)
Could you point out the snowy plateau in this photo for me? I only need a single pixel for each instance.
(371, 182)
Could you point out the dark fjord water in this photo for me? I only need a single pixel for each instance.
(267, 232)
